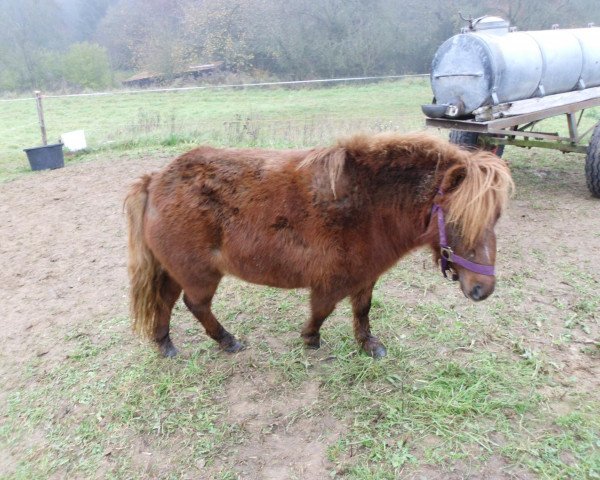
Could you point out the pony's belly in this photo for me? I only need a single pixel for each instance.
(267, 272)
(280, 259)
(271, 281)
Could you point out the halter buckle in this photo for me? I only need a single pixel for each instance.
(446, 253)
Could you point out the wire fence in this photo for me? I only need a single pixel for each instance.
(234, 115)
(227, 86)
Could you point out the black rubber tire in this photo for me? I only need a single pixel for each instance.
(469, 140)
(592, 163)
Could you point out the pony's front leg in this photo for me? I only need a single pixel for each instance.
(321, 305)
(361, 304)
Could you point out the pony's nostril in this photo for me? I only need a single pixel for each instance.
(476, 292)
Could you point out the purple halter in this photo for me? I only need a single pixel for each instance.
(449, 256)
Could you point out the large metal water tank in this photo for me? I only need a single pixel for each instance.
(489, 64)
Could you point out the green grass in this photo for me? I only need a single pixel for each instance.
(264, 117)
(96, 405)
(268, 117)
(567, 448)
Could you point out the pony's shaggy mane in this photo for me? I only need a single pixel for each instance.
(481, 196)
(476, 184)
(333, 160)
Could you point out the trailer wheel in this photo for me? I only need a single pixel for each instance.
(469, 140)
(592, 163)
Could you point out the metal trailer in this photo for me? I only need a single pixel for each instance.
(493, 85)
(514, 124)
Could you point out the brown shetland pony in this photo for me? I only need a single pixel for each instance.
(328, 219)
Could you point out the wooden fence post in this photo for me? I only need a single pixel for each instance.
(40, 110)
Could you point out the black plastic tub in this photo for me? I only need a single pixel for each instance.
(44, 158)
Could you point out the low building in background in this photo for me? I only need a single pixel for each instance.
(147, 79)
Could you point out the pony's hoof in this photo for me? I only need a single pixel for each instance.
(233, 347)
(375, 350)
(312, 342)
(167, 349)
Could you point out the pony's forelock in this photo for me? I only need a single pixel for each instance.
(480, 197)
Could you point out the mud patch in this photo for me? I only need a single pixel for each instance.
(286, 434)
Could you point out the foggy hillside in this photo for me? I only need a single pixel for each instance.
(77, 44)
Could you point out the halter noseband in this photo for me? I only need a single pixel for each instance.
(448, 256)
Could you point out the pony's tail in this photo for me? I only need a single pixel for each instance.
(145, 272)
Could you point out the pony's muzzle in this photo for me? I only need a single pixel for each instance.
(476, 293)
(478, 290)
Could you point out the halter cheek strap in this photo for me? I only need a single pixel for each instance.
(448, 256)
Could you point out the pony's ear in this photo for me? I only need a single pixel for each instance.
(331, 163)
(453, 177)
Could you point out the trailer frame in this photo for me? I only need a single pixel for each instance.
(501, 124)
(513, 124)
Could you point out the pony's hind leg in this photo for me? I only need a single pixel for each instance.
(361, 305)
(169, 293)
(321, 306)
(198, 301)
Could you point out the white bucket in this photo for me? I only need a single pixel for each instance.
(74, 141)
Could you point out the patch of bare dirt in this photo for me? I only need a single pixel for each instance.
(62, 255)
(494, 468)
(282, 439)
(547, 235)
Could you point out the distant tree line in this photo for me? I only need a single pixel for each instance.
(80, 44)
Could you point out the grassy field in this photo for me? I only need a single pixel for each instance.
(502, 389)
(266, 117)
